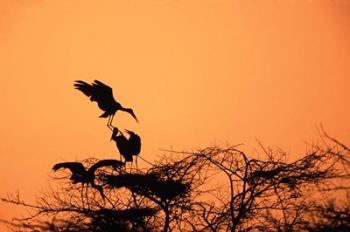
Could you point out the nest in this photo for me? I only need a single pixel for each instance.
(149, 184)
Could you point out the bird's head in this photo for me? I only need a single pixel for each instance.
(131, 133)
(115, 132)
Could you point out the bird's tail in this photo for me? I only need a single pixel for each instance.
(104, 115)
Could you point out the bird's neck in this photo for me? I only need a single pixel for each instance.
(124, 109)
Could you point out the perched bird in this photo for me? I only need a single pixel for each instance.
(114, 138)
(134, 144)
(128, 147)
(103, 95)
(123, 147)
(83, 176)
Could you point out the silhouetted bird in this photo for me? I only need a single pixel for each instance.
(121, 143)
(103, 95)
(81, 175)
(134, 144)
(123, 147)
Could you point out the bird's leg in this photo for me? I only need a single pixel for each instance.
(137, 167)
(110, 122)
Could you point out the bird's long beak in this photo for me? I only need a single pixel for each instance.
(128, 131)
(136, 118)
(131, 112)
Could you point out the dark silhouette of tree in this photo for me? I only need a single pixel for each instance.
(211, 189)
(330, 216)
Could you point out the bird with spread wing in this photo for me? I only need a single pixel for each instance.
(87, 176)
(103, 95)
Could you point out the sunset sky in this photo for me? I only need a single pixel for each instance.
(196, 73)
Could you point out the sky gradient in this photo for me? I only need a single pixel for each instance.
(196, 73)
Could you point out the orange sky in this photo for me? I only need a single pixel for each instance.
(197, 73)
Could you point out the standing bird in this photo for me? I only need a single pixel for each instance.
(103, 95)
(120, 142)
(127, 147)
(134, 144)
(83, 176)
(123, 146)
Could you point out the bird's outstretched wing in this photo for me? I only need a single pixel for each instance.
(107, 162)
(97, 91)
(74, 167)
(84, 87)
(103, 87)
